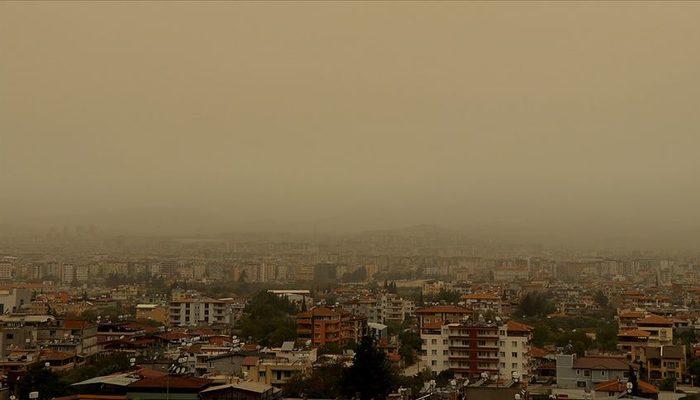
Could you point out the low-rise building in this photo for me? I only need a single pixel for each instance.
(585, 372)
(664, 362)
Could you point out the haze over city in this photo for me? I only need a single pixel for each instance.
(349, 200)
(570, 119)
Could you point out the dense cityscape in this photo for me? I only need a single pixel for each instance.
(419, 312)
(353, 200)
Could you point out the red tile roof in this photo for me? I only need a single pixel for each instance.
(513, 326)
(652, 319)
(634, 333)
(616, 386)
(443, 309)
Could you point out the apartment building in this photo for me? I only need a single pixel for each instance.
(664, 362)
(324, 325)
(631, 343)
(441, 314)
(435, 347)
(514, 349)
(660, 329)
(468, 348)
(152, 312)
(196, 311)
(481, 303)
(473, 349)
(392, 308)
(320, 325)
(279, 364)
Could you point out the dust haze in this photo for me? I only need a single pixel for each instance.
(542, 120)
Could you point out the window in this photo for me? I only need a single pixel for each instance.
(502, 343)
(515, 365)
(581, 384)
(444, 352)
(444, 341)
(603, 372)
(433, 362)
(434, 352)
(587, 372)
(514, 354)
(502, 354)
(514, 343)
(433, 341)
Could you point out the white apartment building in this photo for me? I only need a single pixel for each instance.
(435, 348)
(196, 311)
(392, 308)
(472, 348)
(514, 347)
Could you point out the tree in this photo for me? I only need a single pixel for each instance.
(694, 371)
(668, 384)
(324, 382)
(42, 380)
(370, 376)
(267, 319)
(446, 296)
(535, 304)
(409, 342)
(601, 299)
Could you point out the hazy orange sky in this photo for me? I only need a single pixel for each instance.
(545, 116)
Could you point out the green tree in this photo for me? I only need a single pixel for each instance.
(694, 371)
(323, 382)
(268, 319)
(535, 304)
(42, 380)
(668, 384)
(409, 341)
(371, 375)
(601, 299)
